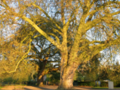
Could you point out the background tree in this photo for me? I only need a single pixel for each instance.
(11, 57)
(43, 53)
(46, 56)
(84, 18)
(55, 77)
(89, 71)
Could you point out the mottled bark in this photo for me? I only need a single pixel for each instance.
(66, 80)
(66, 74)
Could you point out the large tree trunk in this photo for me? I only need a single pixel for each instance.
(66, 80)
(67, 74)
(40, 80)
(41, 73)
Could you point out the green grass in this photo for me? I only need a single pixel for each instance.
(100, 87)
(0, 87)
(103, 87)
(116, 87)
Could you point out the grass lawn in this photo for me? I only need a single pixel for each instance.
(100, 87)
(116, 87)
(0, 87)
(103, 87)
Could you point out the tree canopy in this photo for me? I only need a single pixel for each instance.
(86, 27)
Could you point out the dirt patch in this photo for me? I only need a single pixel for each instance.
(29, 88)
(13, 88)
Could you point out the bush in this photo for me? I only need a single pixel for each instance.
(32, 83)
(117, 84)
(9, 80)
(92, 83)
(104, 84)
(55, 78)
(75, 83)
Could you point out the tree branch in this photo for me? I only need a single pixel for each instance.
(46, 15)
(41, 32)
(23, 57)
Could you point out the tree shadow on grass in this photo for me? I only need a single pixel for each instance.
(40, 88)
(55, 87)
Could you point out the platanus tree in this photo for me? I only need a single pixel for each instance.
(94, 20)
(12, 56)
(45, 55)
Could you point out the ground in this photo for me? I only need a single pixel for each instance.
(45, 88)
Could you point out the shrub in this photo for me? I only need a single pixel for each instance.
(104, 84)
(117, 84)
(75, 83)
